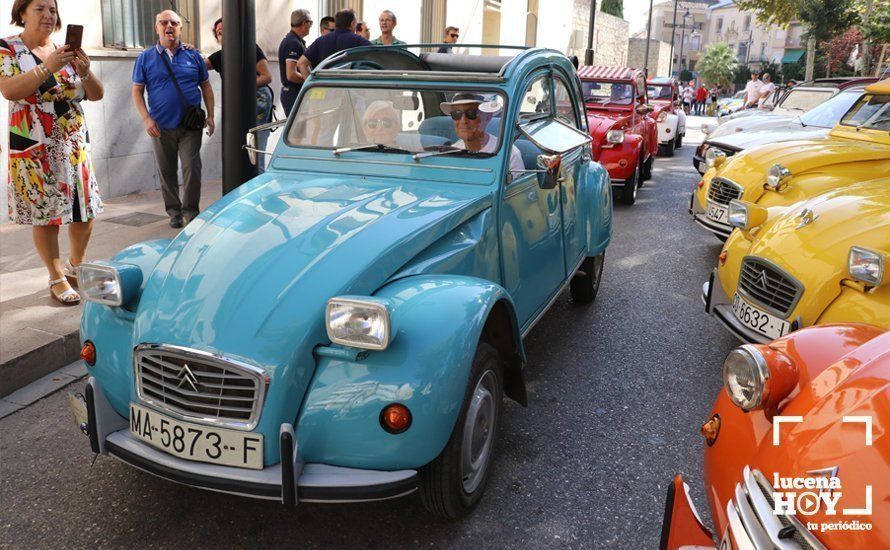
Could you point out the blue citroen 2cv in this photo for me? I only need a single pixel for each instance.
(344, 326)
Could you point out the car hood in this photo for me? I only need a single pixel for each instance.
(251, 276)
(747, 123)
(601, 122)
(816, 253)
(790, 130)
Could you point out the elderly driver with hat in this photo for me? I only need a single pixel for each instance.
(471, 114)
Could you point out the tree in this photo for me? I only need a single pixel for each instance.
(838, 50)
(613, 7)
(717, 65)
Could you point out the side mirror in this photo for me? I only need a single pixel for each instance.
(250, 143)
(549, 166)
(250, 146)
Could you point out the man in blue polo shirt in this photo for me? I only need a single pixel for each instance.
(165, 110)
(289, 53)
(342, 38)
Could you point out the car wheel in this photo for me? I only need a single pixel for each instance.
(666, 150)
(586, 282)
(452, 484)
(647, 167)
(629, 189)
(679, 142)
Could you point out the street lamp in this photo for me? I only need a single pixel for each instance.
(686, 17)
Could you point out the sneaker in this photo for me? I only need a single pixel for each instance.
(176, 223)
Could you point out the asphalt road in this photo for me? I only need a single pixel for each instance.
(617, 391)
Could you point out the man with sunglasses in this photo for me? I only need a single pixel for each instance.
(451, 36)
(471, 113)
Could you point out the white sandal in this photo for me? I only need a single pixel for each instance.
(65, 298)
(70, 273)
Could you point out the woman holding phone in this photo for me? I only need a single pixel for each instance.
(51, 179)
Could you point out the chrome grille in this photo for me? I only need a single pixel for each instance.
(199, 386)
(769, 286)
(753, 522)
(722, 191)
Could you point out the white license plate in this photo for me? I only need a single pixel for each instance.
(196, 441)
(717, 213)
(757, 319)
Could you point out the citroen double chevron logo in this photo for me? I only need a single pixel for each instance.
(185, 375)
(762, 282)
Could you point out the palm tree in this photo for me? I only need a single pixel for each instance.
(717, 65)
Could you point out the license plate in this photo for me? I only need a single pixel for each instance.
(196, 441)
(757, 319)
(717, 213)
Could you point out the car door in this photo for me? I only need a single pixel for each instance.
(531, 225)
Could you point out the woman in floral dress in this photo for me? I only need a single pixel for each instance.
(51, 180)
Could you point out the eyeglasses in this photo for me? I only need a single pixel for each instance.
(455, 36)
(385, 122)
(471, 114)
(164, 23)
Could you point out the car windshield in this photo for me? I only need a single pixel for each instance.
(871, 112)
(398, 120)
(658, 92)
(617, 93)
(830, 112)
(804, 100)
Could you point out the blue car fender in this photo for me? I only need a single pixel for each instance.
(598, 191)
(439, 320)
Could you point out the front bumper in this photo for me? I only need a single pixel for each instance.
(297, 482)
(682, 526)
(721, 230)
(718, 305)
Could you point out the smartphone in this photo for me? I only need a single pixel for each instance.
(74, 37)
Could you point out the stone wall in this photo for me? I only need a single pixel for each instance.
(610, 36)
(659, 56)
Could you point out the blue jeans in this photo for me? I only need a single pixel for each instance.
(263, 115)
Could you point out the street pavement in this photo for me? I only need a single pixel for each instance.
(617, 393)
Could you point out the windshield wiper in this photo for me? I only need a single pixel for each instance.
(369, 147)
(442, 150)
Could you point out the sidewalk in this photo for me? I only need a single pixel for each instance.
(38, 335)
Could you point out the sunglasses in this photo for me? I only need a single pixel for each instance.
(454, 35)
(471, 114)
(385, 122)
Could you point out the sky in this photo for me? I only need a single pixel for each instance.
(635, 12)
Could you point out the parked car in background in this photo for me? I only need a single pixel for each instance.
(343, 327)
(795, 102)
(823, 260)
(781, 174)
(664, 94)
(812, 124)
(625, 138)
(731, 104)
(795, 452)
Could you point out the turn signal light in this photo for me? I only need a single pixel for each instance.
(711, 429)
(722, 257)
(395, 418)
(701, 183)
(88, 353)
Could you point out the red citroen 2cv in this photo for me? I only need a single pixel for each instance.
(797, 453)
(625, 139)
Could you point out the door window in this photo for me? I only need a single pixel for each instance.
(536, 100)
(565, 106)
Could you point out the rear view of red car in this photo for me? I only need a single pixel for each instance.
(625, 139)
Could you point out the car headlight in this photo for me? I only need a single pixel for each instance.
(661, 116)
(615, 136)
(359, 322)
(777, 176)
(712, 155)
(745, 215)
(108, 283)
(745, 376)
(867, 266)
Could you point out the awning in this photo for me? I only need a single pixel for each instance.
(792, 56)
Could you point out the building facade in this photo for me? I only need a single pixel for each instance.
(671, 24)
(659, 56)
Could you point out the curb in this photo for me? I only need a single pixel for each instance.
(33, 365)
(42, 387)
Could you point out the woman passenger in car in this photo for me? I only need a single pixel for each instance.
(381, 123)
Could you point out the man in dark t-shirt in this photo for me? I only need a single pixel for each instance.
(289, 52)
(342, 38)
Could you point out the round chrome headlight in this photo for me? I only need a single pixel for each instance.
(777, 175)
(712, 155)
(615, 136)
(745, 376)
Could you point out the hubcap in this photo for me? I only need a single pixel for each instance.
(478, 436)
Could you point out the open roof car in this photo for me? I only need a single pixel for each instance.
(791, 104)
(664, 94)
(795, 449)
(343, 327)
(787, 172)
(625, 139)
(814, 123)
